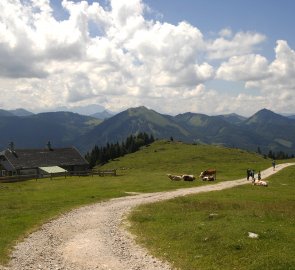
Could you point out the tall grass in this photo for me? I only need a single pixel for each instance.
(210, 230)
(24, 206)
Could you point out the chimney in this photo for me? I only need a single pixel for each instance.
(49, 146)
(11, 146)
(11, 149)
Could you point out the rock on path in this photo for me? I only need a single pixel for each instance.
(93, 237)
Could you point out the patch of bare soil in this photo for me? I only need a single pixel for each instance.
(93, 237)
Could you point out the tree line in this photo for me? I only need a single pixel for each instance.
(101, 155)
(275, 155)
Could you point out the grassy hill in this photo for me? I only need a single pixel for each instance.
(24, 206)
(179, 158)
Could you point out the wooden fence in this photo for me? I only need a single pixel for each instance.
(18, 178)
(112, 172)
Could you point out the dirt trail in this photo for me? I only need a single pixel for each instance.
(93, 237)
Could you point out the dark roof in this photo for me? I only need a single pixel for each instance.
(33, 158)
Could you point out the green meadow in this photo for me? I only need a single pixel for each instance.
(25, 206)
(211, 230)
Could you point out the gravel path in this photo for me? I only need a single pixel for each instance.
(93, 237)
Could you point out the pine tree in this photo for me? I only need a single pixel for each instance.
(101, 155)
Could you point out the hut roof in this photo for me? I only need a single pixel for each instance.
(33, 158)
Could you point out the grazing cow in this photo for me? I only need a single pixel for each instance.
(260, 183)
(209, 175)
(175, 177)
(188, 177)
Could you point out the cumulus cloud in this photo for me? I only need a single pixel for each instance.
(279, 86)
(275, 81)
(248, 67)
(240, 44)
(128, 55)
(114, 55)
(283, 67)
(18, 57)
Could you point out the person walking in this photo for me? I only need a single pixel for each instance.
(252, 173)
(273, 164)
(248, 174)
(259, 175)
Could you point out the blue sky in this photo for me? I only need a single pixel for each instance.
(270, 17)
(212, 57)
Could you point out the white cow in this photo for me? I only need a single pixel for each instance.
(175, 177)
(260, 183)
(208, 178)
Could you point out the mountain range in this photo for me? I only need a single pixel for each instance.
(265, 129)
(16, 112)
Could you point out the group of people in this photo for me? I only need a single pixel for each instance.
(251, 173)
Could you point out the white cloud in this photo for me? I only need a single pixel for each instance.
(128, 55)
(115, 56)
(279, 87)
(248, 67)
(226, 33)
(241, 43)
(275, 81)
(283, 67)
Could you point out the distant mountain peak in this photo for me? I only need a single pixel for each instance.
(265, 116)
(265, 111)
(6, 113)
(20, 112)
(103, 115)
(232, 118)
(138, 110)
(265, 129)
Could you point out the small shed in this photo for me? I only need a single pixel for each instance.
(52, 171)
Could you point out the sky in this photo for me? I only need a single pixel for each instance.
(203, 56)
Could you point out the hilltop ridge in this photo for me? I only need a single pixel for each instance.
(264, 129)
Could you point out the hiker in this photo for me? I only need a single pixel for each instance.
(273, 164)
(248, 173)
(259, 175)
(252, 174)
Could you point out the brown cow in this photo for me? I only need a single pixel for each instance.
(209, 175)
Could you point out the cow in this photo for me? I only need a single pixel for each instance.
(208, 178)
(208, 175)
(188, 177)
(260, 183)
(174, 177)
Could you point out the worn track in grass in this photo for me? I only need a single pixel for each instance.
(93, 237)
